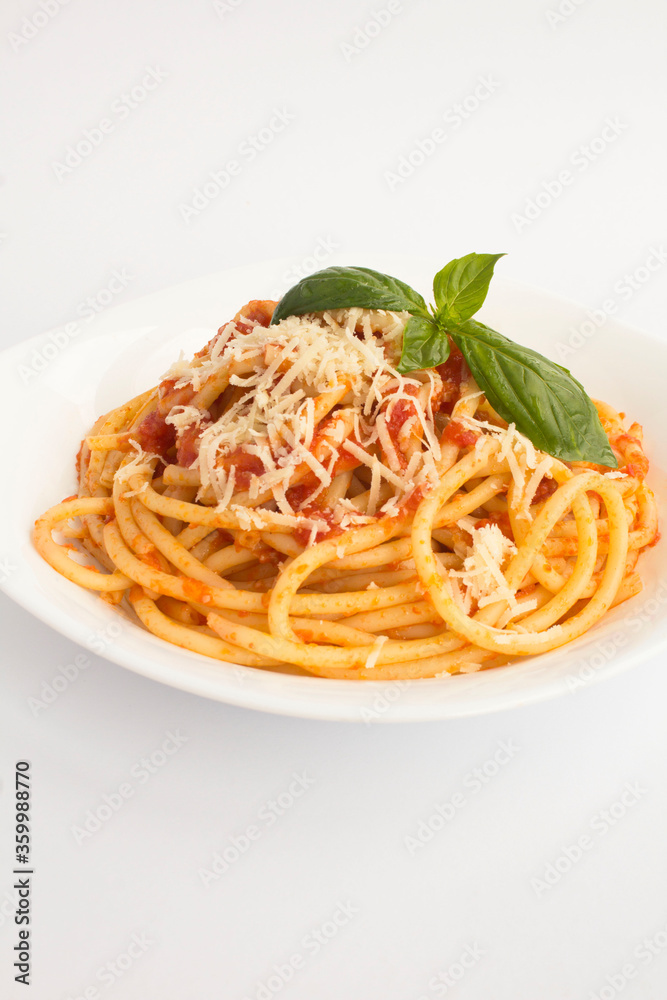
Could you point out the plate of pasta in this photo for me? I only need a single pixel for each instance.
(341, 501)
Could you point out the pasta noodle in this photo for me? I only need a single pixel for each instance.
(288, 501)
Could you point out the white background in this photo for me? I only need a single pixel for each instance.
(356, 105)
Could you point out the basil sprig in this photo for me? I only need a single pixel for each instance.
(461, 287)
(344, 287)
(423, 346)
(543, 400)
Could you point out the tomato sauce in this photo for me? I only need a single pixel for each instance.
(631, 448)
(328, 527)
(397, 414)
(154, 435)
(456, 433)
(187, 449)
(258, 311)
(169, 396)
(411, 502)
(152, 559)
(453, 372)
(297, 495)
(245, 467)
(546, 488)
(195, 590)
(401, 411)
(636, 470)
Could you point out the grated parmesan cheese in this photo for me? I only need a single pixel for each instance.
(274, 378)
(543, 469)
(376, 649)
(482, 573)
(142, 462)
(520, 455)
(182, 417)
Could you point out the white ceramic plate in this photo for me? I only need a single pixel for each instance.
(54, 386)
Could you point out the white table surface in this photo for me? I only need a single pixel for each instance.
(471, 913)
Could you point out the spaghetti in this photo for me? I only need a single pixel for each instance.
(287, 500)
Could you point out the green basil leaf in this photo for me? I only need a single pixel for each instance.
(544, 400)
(424, 345)
(461, 287)
(344, 287)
